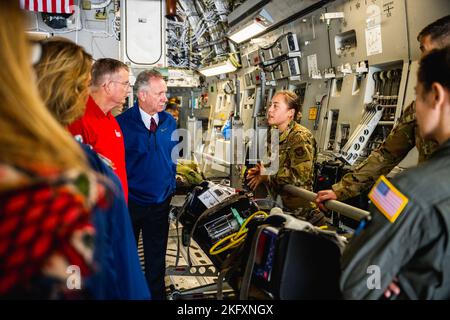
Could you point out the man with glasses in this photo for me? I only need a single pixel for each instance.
(98, 127)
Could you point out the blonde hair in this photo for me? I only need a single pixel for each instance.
(63, 74)
(30, 137)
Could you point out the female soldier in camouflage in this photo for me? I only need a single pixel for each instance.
(297, 154)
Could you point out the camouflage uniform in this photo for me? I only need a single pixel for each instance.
(188, 174)
(297, 155)
(403, 137)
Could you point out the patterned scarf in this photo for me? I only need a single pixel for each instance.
(45, 228)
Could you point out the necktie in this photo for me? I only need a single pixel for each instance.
(153, 125)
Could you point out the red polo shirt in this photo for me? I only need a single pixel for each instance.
(103, 133)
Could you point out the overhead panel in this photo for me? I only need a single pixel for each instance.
(369, 30)
(144, 33)
(245, 10)
(313, 42)
(279, 11)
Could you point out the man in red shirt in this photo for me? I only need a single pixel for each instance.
(98, 127)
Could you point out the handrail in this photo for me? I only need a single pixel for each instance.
(343, 208)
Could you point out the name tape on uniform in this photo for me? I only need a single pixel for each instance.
(388, 199)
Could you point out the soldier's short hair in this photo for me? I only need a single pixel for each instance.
(142, 80)
(103, 67)
(435, 67)
(439, 31)
(292, 100)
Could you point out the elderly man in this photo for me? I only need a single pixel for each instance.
(147, 130)
(98, 127)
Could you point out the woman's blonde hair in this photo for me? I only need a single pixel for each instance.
(30, 137)
(63, 76)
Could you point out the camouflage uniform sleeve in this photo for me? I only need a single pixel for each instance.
(381, 161)
(298, 167)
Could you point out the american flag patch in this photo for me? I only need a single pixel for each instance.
(388, 199)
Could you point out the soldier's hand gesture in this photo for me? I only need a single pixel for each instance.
(255, 176)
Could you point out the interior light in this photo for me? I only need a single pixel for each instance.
(248, 32)
(218, 68)
(260, 23)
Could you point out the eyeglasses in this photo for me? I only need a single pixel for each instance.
(126, 83)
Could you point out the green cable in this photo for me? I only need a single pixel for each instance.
(237, 216)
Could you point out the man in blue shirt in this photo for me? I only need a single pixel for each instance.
(147, 131)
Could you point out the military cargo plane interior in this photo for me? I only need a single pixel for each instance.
(225, 149)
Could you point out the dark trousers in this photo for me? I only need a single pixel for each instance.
(153, 220)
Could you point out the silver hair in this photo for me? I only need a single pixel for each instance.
(142, 80)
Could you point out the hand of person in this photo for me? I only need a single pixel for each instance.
(255, 176)
(252, 172)
(392, 289)
(255, 181)
(322, 196)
